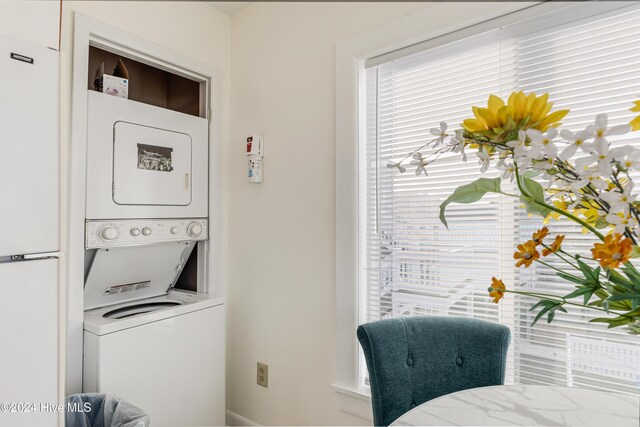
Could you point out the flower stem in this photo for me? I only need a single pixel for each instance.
(562, 300)
(553, 208)
(557, 269)
(557, 253)
(510, 195)
(573, 218)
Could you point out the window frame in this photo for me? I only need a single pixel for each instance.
(351, 55)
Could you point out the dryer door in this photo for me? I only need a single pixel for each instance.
(151, 166)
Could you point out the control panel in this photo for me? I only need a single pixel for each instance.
(131, 232)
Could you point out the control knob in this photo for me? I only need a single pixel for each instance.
(146, 231)
(174, 230)
(135, 231)
(108, 233)
(194, 229)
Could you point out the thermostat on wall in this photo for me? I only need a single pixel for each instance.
(254, 157)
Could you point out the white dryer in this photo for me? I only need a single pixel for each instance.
(159, 348)
(145, 161)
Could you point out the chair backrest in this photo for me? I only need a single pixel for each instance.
(414, 359)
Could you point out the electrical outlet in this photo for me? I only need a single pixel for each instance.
(263, 374)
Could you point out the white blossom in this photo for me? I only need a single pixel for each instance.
(621, 222)
(420, 163)
(459, 143)
(576, 141)
(397, 165)
(601, 155)
(628, 157)
(441, 133)
(523, 154)
(519, 146)
(588, 176)
(619, 201)
(601, 131)
(508, 170)
(483, 159)
(544, 164)
(544, 140)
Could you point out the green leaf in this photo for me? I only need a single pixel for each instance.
(552, 312)
(601, 223)
(538, 304)
(587, 297)
(470, 193)
(534, 208)
(534, 204)
(534, 189)
(549, 306)
(617, 278)
(589, 273)
(634, 278)
(635, 252)
(613, 322)
(540, 314)
(578, 292)
(623, 297)
(572, 278)
(531, 173)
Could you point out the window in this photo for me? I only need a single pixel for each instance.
(410, 264)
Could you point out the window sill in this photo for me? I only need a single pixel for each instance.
(354, 401)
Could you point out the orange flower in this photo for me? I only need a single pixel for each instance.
(554, 247)
(496, 290)
(539, 235)
(526, 254)
(614, 251)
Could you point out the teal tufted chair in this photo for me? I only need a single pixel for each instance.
(415, 359)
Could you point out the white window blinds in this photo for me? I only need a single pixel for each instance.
(411, 264)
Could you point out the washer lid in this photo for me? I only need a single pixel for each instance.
(127, 274)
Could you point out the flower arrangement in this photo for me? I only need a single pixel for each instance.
(557, 173)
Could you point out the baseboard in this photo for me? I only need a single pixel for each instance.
(233, 419)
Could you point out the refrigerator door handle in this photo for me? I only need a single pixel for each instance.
(42, 255)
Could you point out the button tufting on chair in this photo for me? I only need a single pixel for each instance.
(429, 345)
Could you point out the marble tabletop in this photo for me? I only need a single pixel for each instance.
(527, 405)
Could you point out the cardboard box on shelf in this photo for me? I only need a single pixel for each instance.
(116, 84)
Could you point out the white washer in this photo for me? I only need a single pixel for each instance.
(159, 348)
(163, 361)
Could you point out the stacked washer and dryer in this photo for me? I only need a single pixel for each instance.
(153, 335)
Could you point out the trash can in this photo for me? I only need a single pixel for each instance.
(102, 410)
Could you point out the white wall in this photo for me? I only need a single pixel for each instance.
(281, 307)
(191, 28)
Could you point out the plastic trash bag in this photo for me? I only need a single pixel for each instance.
(100, 410)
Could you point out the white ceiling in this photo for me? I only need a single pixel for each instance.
(230, 7)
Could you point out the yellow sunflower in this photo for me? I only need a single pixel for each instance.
(635, 123)
(520, 112)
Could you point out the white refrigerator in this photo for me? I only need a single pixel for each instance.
(29, 234)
